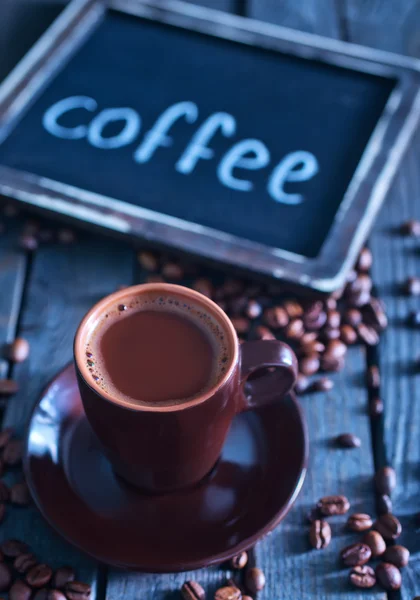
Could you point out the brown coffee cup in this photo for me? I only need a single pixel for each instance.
(161, 448)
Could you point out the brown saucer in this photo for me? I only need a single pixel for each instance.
(249, 492)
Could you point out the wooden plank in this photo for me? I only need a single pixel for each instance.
(13, 261)
(392, 26)
(64, 282)
(397, 258)
(314, 16)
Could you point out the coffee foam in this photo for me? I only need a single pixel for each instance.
(165, 303)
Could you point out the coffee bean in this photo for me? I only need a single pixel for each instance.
(411, 228)
(263, 333)
(191, 590)
(203, 286)
(315, 322)
(240, 324)
(388, 526)
(249, 598)
(12, 548)
(76, 590)
(62, 576)
(376, 407)
(39, 575)
(388, 576)
(331, 364)
(20, 591)
(359, 522)
(5, 436)
(28, 242)
(348, 335)
(362, 576)
(19, 350)
(46, 594)
(364, 262)
(333, 505)
(255, 580)
(12, 454)
(375, 542)
(323, 384)
(356, 554)
(293, 308)
(373, 377)
(228, 593)
(412, 286)
(24, 562)
(414, 319)
(8, 387)
(353, 317)
(397, 555)
(239, 561)
(333, 319)
(66, 236)
(312, 347)
(302, 384)
(374, 314)
(172, 270)
(336, 348)
(4, 492)
(148, 261)
(385, 480)
(276, 317)
(348, 440)
(20, 495)
(5, 577)
(319, 534)
(384, 504)
(309, 365)
(367, 334)
(330, 333)
(294, 329)
(253, 309)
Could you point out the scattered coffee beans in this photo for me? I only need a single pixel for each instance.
(385, 480)
(249, 598)
(254, 580)
(228, 593)
(376, 407)
(397, 555)
(20, 495)
(172, 271)
(19, 350)
(24, 562)
(46, 594)
(373, 377)
(348, 335)
(191, 590)
(76, 590)
(148, 261)
(239, 561)
(359, 522)
(39, 576)
(319, 534)
(5, 577)
(62, 576)
(388, 526)
(333, 505)
(362, 576)
(323, 384)
(365, 260)
(12, 548)
(375, 542)
(20, 591)
(384, 504)
(348, 440)
(388, 576)
(356, 554)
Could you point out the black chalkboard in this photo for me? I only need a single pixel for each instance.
(248, 141)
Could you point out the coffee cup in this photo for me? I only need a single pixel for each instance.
(167, 430)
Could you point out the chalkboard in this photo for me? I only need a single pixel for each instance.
(206, 133)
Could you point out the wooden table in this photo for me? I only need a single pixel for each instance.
(44, 294)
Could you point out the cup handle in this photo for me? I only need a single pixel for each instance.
(272, 385)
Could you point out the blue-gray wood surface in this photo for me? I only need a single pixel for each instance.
(44, 294)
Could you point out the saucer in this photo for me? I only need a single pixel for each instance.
(250, 490)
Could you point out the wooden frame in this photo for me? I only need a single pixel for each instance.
(364, 195)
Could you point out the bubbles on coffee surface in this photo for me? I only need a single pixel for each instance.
(204, 320)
